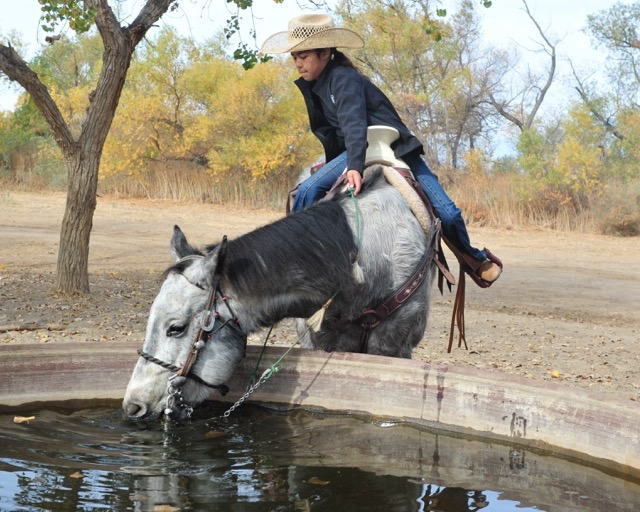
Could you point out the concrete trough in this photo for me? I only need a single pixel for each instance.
(575, 423)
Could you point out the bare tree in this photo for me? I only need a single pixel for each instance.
(82, 153)
(436, 78)
(597, 110)
(522, 108)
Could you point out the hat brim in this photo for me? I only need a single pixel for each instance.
(330, 38)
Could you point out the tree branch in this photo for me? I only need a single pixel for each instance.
(604, 121)
(500, 107)
(17, 70)
(552, 68)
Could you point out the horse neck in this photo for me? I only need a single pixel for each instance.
(289, 268)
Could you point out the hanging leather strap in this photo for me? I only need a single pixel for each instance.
(371, 318)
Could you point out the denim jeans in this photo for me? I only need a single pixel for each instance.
(319, 183)
(453, 226)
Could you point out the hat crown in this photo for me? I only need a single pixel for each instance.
(309, 32)
(303, 27)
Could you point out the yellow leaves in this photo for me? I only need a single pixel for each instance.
(178, 113)
(579, 166)
(73, 103)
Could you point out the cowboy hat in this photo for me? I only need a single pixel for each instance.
(379, 150)
(311, 32)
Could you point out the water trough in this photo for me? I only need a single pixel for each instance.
(576, 423)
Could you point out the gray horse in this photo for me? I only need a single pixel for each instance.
(211, 300)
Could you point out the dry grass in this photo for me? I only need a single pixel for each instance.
(511, 200)
(499, 200)
(196, 185)
(620, 207)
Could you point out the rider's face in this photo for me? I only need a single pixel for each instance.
(311, 63)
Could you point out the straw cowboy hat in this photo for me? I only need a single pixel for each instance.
(311, 32)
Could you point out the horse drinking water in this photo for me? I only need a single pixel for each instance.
(212, 299)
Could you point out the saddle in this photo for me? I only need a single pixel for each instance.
(404, 182)
(397, 174)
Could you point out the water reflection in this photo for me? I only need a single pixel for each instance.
(260, 460)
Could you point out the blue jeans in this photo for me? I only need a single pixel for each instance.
(453, 226)
(319, 183)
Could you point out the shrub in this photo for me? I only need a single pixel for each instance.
(618, 210)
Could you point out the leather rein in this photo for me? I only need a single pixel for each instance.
(371, 318)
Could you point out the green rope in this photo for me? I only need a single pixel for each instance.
(269, 372)
(273, 369)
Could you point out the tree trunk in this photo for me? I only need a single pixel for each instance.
(82, 155)
(73, 253)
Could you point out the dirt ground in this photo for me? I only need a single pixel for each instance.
(566, 308)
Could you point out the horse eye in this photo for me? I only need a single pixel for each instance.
(175, 330)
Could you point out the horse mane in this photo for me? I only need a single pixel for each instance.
(180, 266)
(314, 242)
(309, 253)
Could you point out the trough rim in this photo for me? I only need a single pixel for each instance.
(446, 396)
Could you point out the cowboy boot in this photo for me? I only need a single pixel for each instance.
(484, 272)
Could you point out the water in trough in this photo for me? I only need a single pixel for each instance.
(86, 458)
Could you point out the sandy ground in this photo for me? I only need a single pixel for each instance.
(566, 308)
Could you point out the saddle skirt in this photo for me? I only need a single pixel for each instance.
(399, 179)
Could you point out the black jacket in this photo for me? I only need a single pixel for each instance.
(342, 103)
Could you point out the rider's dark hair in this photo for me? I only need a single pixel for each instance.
(339, 58)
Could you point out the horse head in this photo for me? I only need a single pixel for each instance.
(193, 340)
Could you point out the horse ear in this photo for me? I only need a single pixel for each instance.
(179, 245)
(213, 262)
(222, 255)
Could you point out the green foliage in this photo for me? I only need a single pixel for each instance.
(623, 155)
(71, 11)
(617, 29)
(566, 165)
(249, 57)
(533, 154)
(28, 153)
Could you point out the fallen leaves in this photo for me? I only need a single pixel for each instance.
(314, 480)
(23, 419)
(212, 434)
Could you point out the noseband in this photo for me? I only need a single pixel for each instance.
(205, 333)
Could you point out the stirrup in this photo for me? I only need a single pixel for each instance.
(473, 267)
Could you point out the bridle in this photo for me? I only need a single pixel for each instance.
(207, 329)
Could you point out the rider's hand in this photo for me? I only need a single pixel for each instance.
(354, 179)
